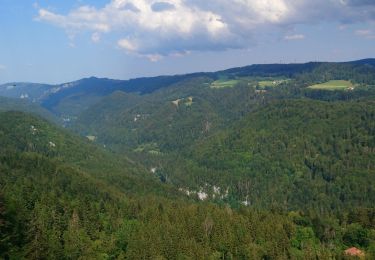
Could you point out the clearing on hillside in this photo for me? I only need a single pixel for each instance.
(223, 83)
(334, 85)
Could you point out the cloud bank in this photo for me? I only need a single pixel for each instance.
(157, 28)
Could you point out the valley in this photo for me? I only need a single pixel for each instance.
(259, 162)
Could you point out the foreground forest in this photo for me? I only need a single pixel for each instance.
(248, 163)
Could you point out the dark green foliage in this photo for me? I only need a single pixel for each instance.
(127, 122)
(52, 209)
(64, 214)
(5, 229)
(356, 235)
(23, 133)
(286, 176)
(299, 154)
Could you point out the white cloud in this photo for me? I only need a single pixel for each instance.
(95, 37)
(153, 57)
(294, 37)
(156, 28)
(366, 33)
(128, 45)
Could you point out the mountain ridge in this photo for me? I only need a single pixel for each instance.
(130, 81)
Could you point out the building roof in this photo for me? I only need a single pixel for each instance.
(353, 251)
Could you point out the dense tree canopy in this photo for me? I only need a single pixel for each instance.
(248, 163)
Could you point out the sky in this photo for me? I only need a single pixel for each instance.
(54, 41)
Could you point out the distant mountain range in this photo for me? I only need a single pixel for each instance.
(61, 98)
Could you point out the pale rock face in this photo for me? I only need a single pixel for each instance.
(226, 193)
(33, 130)
(246, 203)
(91, 138)
(55, 90)
(202, 195)
(216, 190)
(58, 88)
(24, 96)
(137, 117)
(52, 144)
(176, 102)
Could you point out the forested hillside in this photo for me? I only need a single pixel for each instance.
(54, 205)
(260, 162)
(189, 110)
(253, 137)
(13, 104)
(297, 155)
(69, 100)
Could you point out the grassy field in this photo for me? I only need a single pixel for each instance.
(223, 83)
(263, 83)
(333, 85)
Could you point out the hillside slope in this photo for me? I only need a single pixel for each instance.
(245, 164)
(28, 91)
(54, 205)
(68, 100)
(13, 104)
(297, 154)
(22, 133)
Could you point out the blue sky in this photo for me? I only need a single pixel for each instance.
(61, 41)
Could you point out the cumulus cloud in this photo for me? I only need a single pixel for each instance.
(128, 45)
(155, 28)
(366, 33)
(95, 37)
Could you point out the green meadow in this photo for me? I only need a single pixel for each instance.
(333, 85)
(223, 83)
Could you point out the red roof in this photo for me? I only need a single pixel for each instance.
(353, 251)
